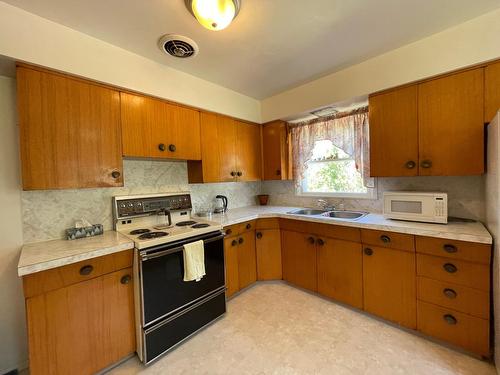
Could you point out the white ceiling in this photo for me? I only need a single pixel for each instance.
(272, 45)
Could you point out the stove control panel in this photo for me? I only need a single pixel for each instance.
(150, 206)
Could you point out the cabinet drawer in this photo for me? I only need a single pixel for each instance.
(388, 239)
(455, 271)
(56, 278)
(328, 230)
(466, 331)
(473, 252)
(270, 223)
(453, 296)
(236, 229)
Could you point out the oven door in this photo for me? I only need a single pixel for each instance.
(162, 288)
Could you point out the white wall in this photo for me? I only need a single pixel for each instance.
(30, 38)
(13, 350)
(469, 43)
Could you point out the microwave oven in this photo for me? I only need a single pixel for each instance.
(428, 207)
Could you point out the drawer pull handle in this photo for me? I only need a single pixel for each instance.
(410, 164)
(368, 251)
(320, 242)
(426, 164)
(248, 226)
(125, 279)
(385, 239)
(172, 148)
(259, 235)
(450, 319)
(451, 268)
(234, 243)
(450, 293)
(311, 240)
(86, 270)
(240, 241)
(162, 147)
(229, 231)
(450, 248)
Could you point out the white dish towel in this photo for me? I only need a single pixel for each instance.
(194, 261)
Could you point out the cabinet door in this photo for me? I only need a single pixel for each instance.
(69, 132)
(247, 266)
(275, 151)
(231, 260)
(299, 259)
(155, 128)
(451, 125)
(394, 133)
(249, 161)
(226, 147)
(268, 249)
(389, 284)
(340, 271)
(492, 91)
(82, 328)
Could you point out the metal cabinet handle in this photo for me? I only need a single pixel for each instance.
(116, 174)
(368, 251)
(450, 319)
(385, 239)
(248, 226)
(172, 148)
(240, 240)
(234, 243)
(449, 248)
(426, 164)
(450, 293)
(86, 270)
(311, 240)
(320, 242)
(239, 174)
(229, 231)
(410, 164)
(451, 268)
(125, 279)
(258, 235)
(162, 147)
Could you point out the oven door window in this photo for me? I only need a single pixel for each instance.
(163, 288)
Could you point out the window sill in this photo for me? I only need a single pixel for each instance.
(370, 195)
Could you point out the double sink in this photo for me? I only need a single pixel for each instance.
(334, 214)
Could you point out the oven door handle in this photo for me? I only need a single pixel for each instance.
(145, 256)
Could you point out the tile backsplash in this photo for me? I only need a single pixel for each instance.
(46, 214)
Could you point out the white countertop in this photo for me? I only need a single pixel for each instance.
(463, 231)
(40, 256)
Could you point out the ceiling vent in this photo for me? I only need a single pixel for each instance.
(178, 46)
(325, 112)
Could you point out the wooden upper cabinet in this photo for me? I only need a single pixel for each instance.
(157, 129)
(275, 151)
(248, 151)
(451, 125)
(69, 132)
(394, 133)
(492, 91)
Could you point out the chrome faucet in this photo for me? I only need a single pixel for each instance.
(325, 205)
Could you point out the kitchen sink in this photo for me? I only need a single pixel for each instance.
(346, 215)
(308, 211)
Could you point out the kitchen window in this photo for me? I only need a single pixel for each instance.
(331, 157)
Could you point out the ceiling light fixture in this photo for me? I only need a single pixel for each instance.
(214, 14)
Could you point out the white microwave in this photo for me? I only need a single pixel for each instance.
(429, 207)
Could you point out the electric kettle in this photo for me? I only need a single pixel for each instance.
(220, 206)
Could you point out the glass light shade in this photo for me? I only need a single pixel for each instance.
(214, 14)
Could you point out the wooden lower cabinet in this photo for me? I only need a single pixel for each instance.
(82, 328)
(340, 271)
(268, 251)
(389, 284)
(240, 259)
(299, 259)
(231, 260)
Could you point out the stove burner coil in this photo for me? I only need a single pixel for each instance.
(150, 235)
(185, 223)
(140, 231)
(200, 225)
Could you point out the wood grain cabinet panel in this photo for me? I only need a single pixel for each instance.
(157, 129)
(268, 250)
(69, 132)
(299, 259)
(82, 328)
(249, 157)
(231, 262)
(470, 251)
(451, 121)
(276, 151)
(492, 91)
(389, 284)
(393, 240)
(394, 133)
(247, 264)
(340, 271)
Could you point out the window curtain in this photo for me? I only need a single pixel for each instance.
(347, 131)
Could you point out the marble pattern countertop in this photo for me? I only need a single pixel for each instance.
(40, 256)
(462, 231)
